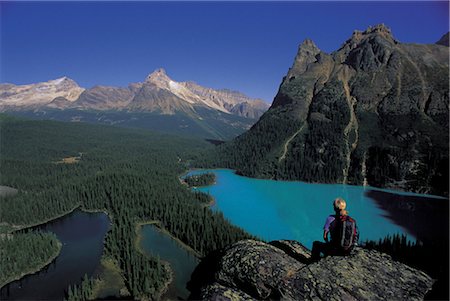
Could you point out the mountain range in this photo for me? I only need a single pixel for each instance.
(180, 106)
(374, 112)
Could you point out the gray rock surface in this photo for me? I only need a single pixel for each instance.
(104, 98)
(218, 292)
(251, 269)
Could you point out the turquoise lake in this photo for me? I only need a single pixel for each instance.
(296, 210)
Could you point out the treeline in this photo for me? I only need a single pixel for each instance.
(130, 174)
(83, 291)
(25, 252)
(255, 152)
(431, 257)
(204, 179)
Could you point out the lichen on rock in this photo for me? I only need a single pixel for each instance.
(280, 271)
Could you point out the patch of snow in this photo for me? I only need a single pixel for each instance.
(174, 85)
(58, 80)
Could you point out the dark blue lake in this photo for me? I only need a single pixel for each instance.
(297, 210)
(82, 237)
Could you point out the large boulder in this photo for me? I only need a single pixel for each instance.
(283, 270)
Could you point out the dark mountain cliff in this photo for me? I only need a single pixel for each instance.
(373, 112)
(443, 40)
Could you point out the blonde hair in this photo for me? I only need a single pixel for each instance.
(339, 205)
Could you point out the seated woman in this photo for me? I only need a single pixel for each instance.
(343, 233)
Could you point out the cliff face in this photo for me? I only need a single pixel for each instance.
(373, 112)
(250, 270)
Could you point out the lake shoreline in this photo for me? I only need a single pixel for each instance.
(43, 223)
(390, 189)
(46, 221)
(211, 203)
(36, 270)
(137, 245)
(172, 289)
(157, 226)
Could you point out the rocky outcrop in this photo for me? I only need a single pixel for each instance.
(373, 112)
(251, 270)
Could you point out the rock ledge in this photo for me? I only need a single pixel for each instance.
(249, 270)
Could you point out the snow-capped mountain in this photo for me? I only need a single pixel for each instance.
(158, 93)
(17, 97)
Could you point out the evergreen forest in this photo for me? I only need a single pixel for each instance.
(132, 175)
(205, 179)
(25, 252)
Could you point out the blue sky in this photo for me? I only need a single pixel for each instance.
(245, 46)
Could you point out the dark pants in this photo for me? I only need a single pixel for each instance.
(321, 247)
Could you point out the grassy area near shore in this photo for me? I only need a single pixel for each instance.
(110, 283)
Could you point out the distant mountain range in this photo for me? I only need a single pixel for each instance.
(376, 112)
(187, 106)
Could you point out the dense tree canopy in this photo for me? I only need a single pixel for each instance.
(130, 174)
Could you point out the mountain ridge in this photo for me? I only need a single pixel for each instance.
(374, 112)
(158, 92)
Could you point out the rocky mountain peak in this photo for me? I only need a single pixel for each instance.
(367, 50)
(34, 95)
(64, 82)
(377, 38)
(443, 40)
(372, 97)
(306, 54)
(308, 44)
(159, 75)
(380, 30)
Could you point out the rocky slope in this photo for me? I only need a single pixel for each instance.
(251, 270)
(103, 98)
(373, 112)
(13, 97)
(230, 101)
